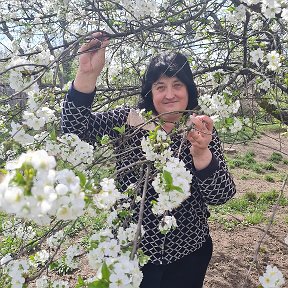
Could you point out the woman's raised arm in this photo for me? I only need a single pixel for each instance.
(91, 62)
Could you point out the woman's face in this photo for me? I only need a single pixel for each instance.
(169, 95)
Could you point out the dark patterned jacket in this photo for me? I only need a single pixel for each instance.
(212, 185)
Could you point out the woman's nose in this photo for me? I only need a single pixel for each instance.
(170, 93)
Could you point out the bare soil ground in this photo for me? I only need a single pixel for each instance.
(234, 250)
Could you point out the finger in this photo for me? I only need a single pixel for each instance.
(193, 136)
(195, 122)
(207, 121)
(95, 42)
(100, 35)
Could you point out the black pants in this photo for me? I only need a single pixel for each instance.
(187, 272)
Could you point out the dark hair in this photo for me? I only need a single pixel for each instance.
(168, 64)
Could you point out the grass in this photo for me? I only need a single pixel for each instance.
(276, 157)
(248, 133)
(271, 127)
(248, 162)
(249, 209)
(269, 178)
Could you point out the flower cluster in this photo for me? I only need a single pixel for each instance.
(139, 8)
(272, 278)
(71, 253)
(270, 8)
(68, 260)
(127, 235)
(17, 229)
(167, 223)
(265, 85)
(257, 55)
(56, 239)
(217, 105)
(235, 124)
(111, 263)
(221, 108)
(19, 134)
(70, 148)
(108, 195)
(36, 120)
(43, 282)
(17, 79)
(33, 189)
(172, 183)
(40, 258)
(17, 270)
(274, 60)
(156, 146)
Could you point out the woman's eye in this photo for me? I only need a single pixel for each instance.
(160, 88)
(178, 85)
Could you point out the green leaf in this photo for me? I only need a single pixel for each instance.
(53, 265)
(104, 140)
(99, 284)
(177, 188)
(123, 213)
(3, 171)
(82, 178)
(153, 202)
(19, 179)
(229, 121)
(286, 79)
(168, 179)
(105, 271)
(80, 283)
(121, 129)
(53, 134)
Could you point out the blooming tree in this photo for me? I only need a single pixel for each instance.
(238, 54)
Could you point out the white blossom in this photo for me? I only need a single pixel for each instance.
(19, 135)
(5, 259)
(43, 200)
(167, 223)
(55, 240)
(71, 252)
(272, 278)
(170, 198)
(60, 284)
(284, 14)
(265, 85)
(40, 258)
(256, 55)
(274, 60)
(128, 234)
(42, 282)
(108, 195)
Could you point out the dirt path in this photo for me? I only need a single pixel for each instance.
(234, 250)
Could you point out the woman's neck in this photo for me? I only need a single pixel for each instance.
(168, 126)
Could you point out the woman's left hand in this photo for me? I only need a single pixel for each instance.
(200, 136)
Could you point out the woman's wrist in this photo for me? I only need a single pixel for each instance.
(85, 82)
(202, 159)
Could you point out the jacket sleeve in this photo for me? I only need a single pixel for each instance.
(215, 182)
(78, 119)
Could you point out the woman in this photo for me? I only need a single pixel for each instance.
(181, 257)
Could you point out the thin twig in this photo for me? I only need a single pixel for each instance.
(275, 208)
(141, 212)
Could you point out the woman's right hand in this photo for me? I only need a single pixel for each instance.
(91, 62)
